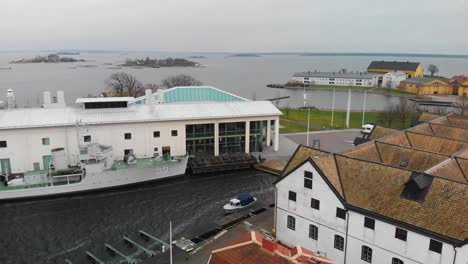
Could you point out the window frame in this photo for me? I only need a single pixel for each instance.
(401, 234)
(156, 134)
(315, 202)
(313, 232)
(434, 243)
(366, 254)
(45, 141)
(291, 222)
(338, 242)
(3, 144)
(291, 195)
(397, 261)
(128, 136)
(174, 133)
(369, 223)
(87, 138)
(308, 179)
(341, 213)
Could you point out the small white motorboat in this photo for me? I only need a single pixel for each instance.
(241, 202)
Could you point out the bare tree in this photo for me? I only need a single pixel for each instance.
(462, 105)
(180, 80)
(403, 110)
(124, 84)
(433, 69)
(343, 71)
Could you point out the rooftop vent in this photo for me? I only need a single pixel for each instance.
(403, 163)
(417, 187)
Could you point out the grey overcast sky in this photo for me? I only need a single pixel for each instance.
(416, 26)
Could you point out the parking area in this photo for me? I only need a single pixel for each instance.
(332, 141)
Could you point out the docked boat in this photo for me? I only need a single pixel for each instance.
(240, 202)
(96, 170)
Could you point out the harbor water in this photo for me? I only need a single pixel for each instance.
(52, 230)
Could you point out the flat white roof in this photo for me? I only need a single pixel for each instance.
(53, 117)
(103, 99)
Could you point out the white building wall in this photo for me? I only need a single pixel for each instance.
(337, 81)
(391, 80)
(462, 255)
(24, 146)
(385, 246)
(325, 218)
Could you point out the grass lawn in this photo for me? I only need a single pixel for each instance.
(321, 120)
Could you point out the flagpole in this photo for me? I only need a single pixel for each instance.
(348, 108)
(364, 106)
(308, 126)
(333, 107)
(170, 241)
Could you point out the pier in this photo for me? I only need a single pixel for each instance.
(228, 162)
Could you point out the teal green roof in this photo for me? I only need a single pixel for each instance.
(195, 94)
(192, 94)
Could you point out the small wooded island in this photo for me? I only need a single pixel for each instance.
(155, 63)
(51, 58)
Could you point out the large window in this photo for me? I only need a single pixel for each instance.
(366, 254)
(3, 144)
(291, 222)
(340, 213)
(315, 203)
(292, 196)
(435, 246)
(369, 223)
(397, 261)
(200, 139)
(232, 137)
(313, 232)
(339, 242)
(308, 179)
(401, 234)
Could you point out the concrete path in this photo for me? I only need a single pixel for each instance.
(330, 140)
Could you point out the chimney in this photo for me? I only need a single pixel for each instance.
(61, 98)
(47, 100)
(11, 101)
(160, 94)
(269, 243)
(149, 97)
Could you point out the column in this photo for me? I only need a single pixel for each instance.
(247, 136)
(276, 142)
(216, 139)
(268, 135)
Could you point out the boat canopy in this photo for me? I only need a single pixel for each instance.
(245, 199)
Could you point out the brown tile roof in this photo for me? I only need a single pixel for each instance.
(380, 131)
(423, 128)
(450, 132)
(416, 159)
(301, 154)
(458, 122)
(327, 165)
(426, 117)
(251, 253)
(442, 121)
(398, 138)
(463, 164)
(462, 153)
(435, 144)
(448, 169)
(367, 151)
(376, 188)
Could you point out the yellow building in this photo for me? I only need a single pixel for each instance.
(460, 85)
(412, 69)
(426, 86)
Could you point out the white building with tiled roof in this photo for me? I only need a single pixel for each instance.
(194, 120)
(382, 202)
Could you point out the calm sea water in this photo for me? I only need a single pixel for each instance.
(245, 76)
(50, 231)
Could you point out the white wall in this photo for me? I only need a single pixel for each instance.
(385, 246)
(24, 146)
(336, 81)
(325, 218)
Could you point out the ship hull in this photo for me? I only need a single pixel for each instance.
(105, 180)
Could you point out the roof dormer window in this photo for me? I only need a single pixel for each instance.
(417, 187)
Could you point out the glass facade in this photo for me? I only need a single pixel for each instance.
(232, 137)
(200, 139)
